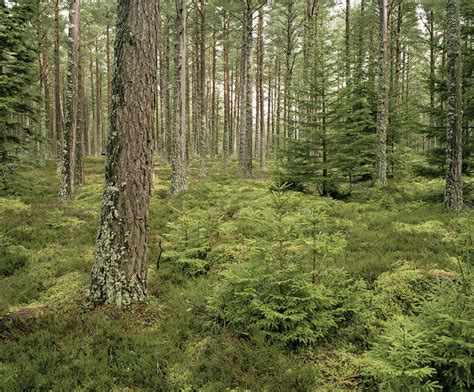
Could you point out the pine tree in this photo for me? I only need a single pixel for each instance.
(119, 272)
(17, 77)
(453, 199)
(68, 165)
(179, 163)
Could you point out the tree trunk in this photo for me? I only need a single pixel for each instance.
(214, 137)
(453, 199)
(119, 272)
(66, 190)
(98, 101)
(262, 141)
(246, 92)
(179, 162)
(382, 98)
(81, 128)
(93, 132)
(227, 118)
(57, 85)
(43, 58)
(202, 89)
(107, 62)
(347, 42)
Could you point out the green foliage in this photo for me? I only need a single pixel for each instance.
(403, 290)
(180, 339)
(17, 99)
(12, 257)
(431, 351)
(400, 360)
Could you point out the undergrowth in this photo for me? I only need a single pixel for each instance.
(250, 288)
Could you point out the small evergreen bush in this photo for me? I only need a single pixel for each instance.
(431, 351)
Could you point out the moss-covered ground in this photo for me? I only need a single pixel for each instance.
(50, 340)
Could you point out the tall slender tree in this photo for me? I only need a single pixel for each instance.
(119, 272)
(382, 96)
(453, 199)
(202, 89)
(57, 83)
(66, 190)
(179, 162)
(245, 153)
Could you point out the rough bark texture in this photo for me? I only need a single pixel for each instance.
(453, 199)
(66, 190)
(261, 118)
(81, 129)
(179, 163)
(382, 98)
(43, 57)
(98, 101)
(57, 84)
(246, 92)
(227, 119)
(119, 272)
(202, 89)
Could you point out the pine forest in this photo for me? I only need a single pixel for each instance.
(236, 195)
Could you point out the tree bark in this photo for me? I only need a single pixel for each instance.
(66, 190)
(43, 58)
(214, 136)
(119, 272)
(227, 117)
(179, 161)
(81, 129)
(57, 85)
(453, 198)
(246, 92)
(262, 141)
(202, 89)
(382, 98)
(98, 101)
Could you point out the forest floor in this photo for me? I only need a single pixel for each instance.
(52, 341)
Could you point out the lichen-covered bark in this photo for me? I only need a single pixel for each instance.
(382, 98)
(119, 272)
(453, 199)
(179, 163)
(66, 190)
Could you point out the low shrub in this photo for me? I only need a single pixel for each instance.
(430, 351)
(283, 304)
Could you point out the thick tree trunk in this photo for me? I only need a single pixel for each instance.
(179, 162)
(382, 98)
(453, 199)
(119, 272)
(66, 190)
